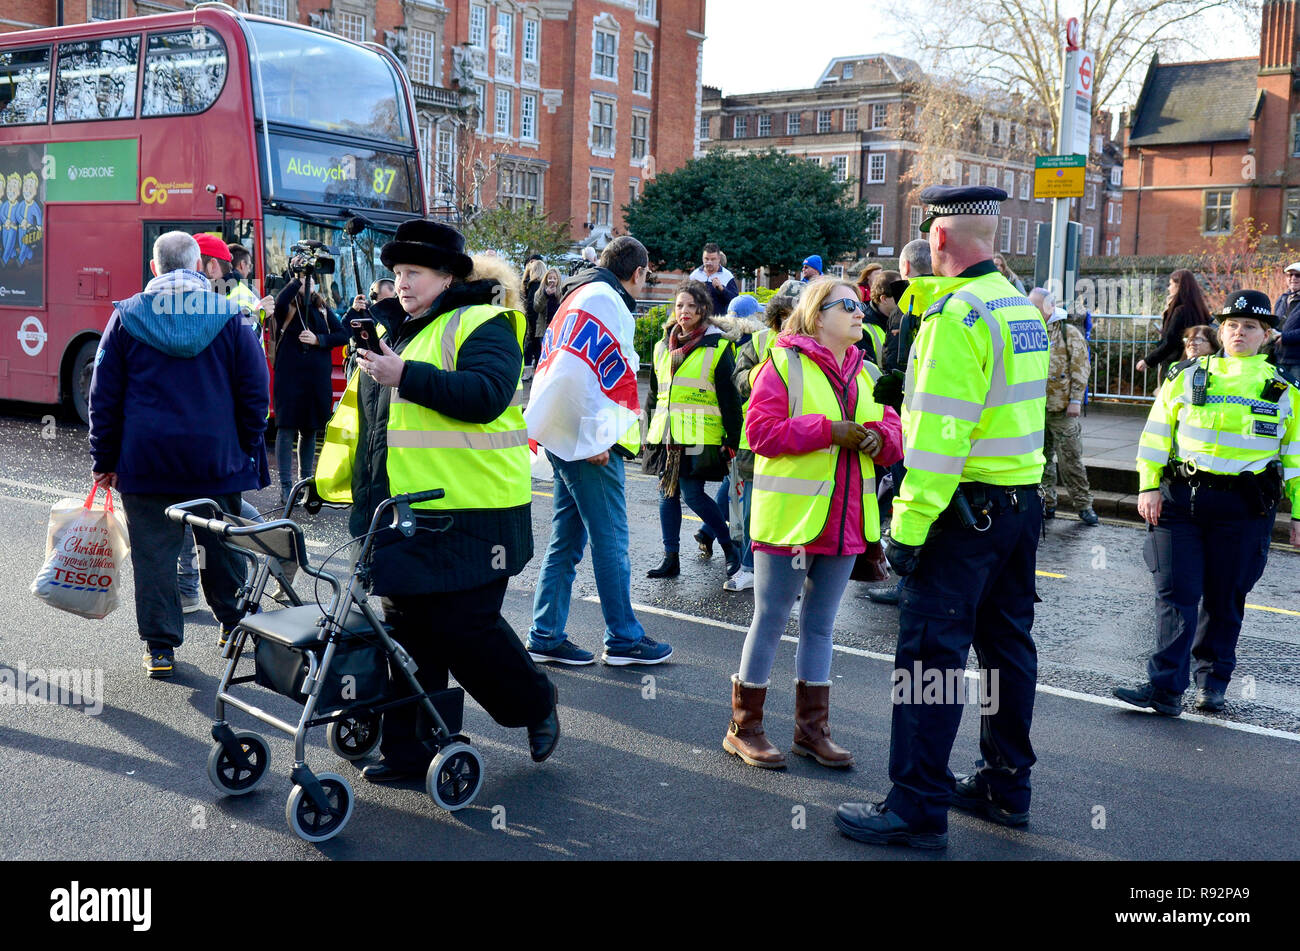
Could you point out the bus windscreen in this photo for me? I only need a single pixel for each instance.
(298, 71)
(332, 173)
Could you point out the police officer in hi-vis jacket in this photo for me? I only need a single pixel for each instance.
(964, 536)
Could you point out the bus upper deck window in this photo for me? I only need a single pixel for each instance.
(184, 72)
(25, 86)
(96, 79)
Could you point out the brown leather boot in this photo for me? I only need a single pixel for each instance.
(745, 737)
(812, 734)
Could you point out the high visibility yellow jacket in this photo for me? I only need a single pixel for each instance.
(1250, 417)
(762, 343)
(973, 409)
(922, 291)
(687, 407)
(792, 493)
(480, 466)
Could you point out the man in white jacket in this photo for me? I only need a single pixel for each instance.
(585, 412)
(721, 282)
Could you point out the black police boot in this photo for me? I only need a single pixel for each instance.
(973, 795)
(1209, 699)
(1147, 696)
(670, 567)
(877, 824)
(1088, 516)
(731, 551)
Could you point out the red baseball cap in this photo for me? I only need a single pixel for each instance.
(212, 246)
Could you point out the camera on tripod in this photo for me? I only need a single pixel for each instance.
(310, 257)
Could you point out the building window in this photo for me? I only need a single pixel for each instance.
(1013, 132)
(876, 230)
(991, 177)
(1119, 213)
(480, 103)
(519, 187)
(1091, 191)
(1009, 183)
(351, 26)
(604, 62)
(1022, 236)
(848, 71)
(704, 127)
(420, 58)
(1110, 212)
(503, 37)
(823, 120)
(528, 117)
(815, 159)
(478, 26)
(645, 9)
(530, 40)
(876, 168)
(1088, 236)
(1006, 236)
(851, 119)
(792, 123)
(1291, 213)
(840, 167)
(1218, 212)
(973, 175)
(1025, 180)
(764, 125)
(1116, 176)
(105, 10)
(601, 200)
(740, 127)
(641, 72)
(602, 125)
(503, 111)
(273, 8)
(879, 115)
(633, 190)
(915, 216)
(953, 171)
(640, 135)
(446, 162)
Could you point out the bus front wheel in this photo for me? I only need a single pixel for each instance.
(79, 373)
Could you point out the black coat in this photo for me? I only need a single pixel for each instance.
(1170, 349)
(303, 388)
(545, 305)
(478, 546)
(530, 315)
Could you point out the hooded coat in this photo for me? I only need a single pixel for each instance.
(178, 398)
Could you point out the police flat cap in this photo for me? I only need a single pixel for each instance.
(945, 200)
(1250, 304)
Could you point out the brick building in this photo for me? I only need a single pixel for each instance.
(569, 106)
(1213, 144)
(860, 120)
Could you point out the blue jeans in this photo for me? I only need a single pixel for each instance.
(187, 564)
(670, 514)
(590, 502)
(733, 485)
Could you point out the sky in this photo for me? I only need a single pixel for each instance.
(761, 45)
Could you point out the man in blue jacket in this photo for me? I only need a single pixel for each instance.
(1287, 309)
(178, 406)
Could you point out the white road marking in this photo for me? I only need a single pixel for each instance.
(1041, 688)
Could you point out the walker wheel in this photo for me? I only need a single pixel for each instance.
(353, 737)
(455, 776)
(312, 824)
(238, 779)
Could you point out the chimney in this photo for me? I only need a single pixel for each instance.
(1277, 36)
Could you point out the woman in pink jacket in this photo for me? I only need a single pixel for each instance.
(819, 340)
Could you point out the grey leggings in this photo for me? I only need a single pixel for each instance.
(776, 585)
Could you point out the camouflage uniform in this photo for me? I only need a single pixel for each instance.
(1067, 380)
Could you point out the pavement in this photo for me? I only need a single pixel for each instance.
(639, 772)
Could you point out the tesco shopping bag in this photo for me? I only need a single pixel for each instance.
(85, 549)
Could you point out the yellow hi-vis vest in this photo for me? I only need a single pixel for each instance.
(877, 334)
(1236, 430)
(792, 493)
(762, 341)
(480, 466)
(975, 400)
(687, 405)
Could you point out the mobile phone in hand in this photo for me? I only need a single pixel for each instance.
(365, 335)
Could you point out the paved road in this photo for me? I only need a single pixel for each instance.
(639, 772)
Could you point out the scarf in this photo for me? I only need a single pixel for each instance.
(680, 346)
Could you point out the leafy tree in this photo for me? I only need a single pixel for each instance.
(764, 209)
(517, 233)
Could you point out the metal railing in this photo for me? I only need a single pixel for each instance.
(1118, 342)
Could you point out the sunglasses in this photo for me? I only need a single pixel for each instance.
(848, 304)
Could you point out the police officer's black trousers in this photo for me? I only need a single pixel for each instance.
(970, 589)
(1204, 559)
(461, 632)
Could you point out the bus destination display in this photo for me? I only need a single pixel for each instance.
(340, 175)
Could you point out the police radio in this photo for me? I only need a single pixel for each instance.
(1200, 379)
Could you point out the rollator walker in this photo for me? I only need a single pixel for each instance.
(332, 659)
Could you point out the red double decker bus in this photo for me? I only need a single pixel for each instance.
(112, 133)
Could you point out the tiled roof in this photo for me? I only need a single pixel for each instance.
(1196, 102)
